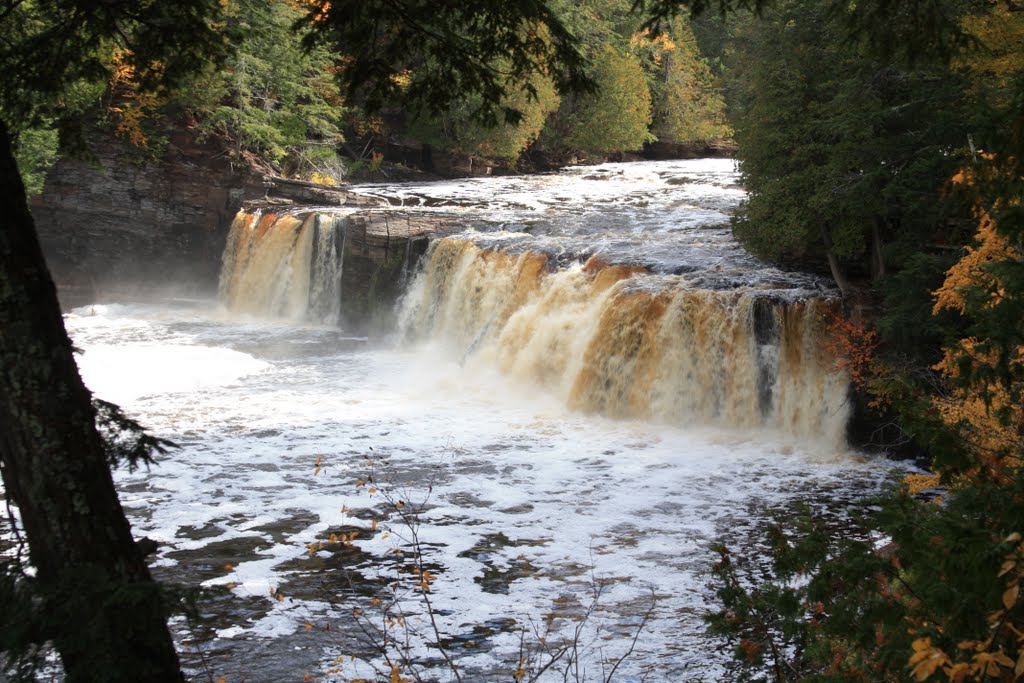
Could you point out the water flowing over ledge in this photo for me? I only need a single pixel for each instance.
(597, 297)
(617, 341)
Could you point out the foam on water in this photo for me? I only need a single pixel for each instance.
(526, 500)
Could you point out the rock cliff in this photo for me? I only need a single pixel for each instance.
(124, 225)
(123, 222)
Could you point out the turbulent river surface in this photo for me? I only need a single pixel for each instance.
(585, 390)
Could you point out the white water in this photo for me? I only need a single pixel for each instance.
(528, 502)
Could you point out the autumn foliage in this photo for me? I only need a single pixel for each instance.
(852, 344)
(131, 108)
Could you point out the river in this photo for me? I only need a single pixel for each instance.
(584, 391)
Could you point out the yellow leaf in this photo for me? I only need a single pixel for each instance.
(989, 662)
(229, 586)
(316, 471)
(373, 490)
(1019, 669)
(1010, 596)
(222, 679)
(229, 568)
(309, 627)
(958, 673)
(373, 525)
(926, 659)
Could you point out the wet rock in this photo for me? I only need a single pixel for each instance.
(469, 500)
(144, 225)
(517, 509)
(211, 560)
(477, 639)
(219, 608)
(209, 530)
(499, 571)
(295, 522)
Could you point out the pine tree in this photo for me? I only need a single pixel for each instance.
(691, 107)
(618, 116)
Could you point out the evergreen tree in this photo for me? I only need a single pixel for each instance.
(91, 593)
(843, 155)
(618, 115)
(457, 130)
(690, 107)
(272, 97)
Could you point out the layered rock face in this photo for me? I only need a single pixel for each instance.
(125, 225)
(124, 222)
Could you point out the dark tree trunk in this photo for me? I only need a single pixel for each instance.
(107, 616)
(877, 258)
(833, 264)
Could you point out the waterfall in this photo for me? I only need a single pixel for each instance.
(620, 342)
(285, 265)
(609, 339)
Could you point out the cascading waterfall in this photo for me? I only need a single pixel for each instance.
(285, 266)
(620, 342)
(727, 342)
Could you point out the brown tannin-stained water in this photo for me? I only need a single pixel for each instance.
(586, 388)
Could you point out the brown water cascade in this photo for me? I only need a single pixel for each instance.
(285, 266)
(676, 327)
(621, 342)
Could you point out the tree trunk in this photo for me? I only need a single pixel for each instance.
(833, 264)
(877, 258)
(107, 616)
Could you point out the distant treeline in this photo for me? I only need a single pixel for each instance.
(277, 102)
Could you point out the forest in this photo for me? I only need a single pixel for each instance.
(880, 143)
(275, 101)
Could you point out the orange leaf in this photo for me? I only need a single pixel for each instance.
(1010, 596)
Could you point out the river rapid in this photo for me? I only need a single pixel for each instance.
(543, 512)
